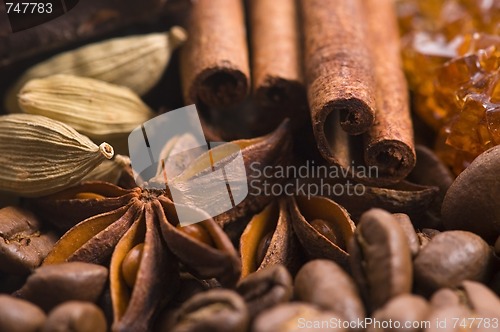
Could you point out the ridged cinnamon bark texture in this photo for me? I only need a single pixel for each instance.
(277, 78)
(214, 61)
(389, 143)
(338, 66)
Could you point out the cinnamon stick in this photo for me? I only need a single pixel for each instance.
(389, 143)
(277, 78)
(214, 61)
(338, 67)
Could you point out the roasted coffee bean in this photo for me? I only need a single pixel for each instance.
(481, 298)
(18, 315)
(266, 288)
(469, 307)
(325, 284)
(445, 297)
(213, 310)
(188, 287)
(22, 245)
(401, 309)
(411, 234)
(380, 258)
(451, 257)
(51, 285)
(447, 319)
(75, 316)
(297, 316)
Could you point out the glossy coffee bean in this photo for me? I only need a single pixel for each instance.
(297, 316)
(326, 285)
(51, 285)
(380, 258)
(266, 288)
(451, 257)
(411, 235)
(213, 310)
(75, 316)
(23, 246)
(18, 315)
(401, 309)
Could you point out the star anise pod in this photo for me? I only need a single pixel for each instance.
(138, 233)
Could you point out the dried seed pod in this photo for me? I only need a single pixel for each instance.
(274, 149)
(109, 170)
(380, 258)
(131, 263)
(84, 242)
(215, 259)
(451, 257)
(67, 208)
(268, 240)
(136, 62)
(357, 198)
(134, 307)
(94, 108)
(471, 203)
(51, 285)
(313, 284)
(330, 236)
(34, 154)
(24, 246)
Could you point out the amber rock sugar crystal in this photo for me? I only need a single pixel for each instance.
(452, 58)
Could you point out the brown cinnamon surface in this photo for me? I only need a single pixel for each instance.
(214, 61)
(338, 67)
(389, 143)
(277, 77)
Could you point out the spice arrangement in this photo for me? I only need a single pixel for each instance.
(348, 224)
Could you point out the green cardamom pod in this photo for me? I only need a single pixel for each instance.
(136, 62)
(94, 108)
(40, 156)
(109, 170)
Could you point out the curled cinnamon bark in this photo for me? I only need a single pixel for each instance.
(277, 77)
(338, 67)
(214, 61)
(389, 143)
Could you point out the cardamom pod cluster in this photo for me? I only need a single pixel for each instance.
(39, 156)
(136, 62)
(92, 107)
